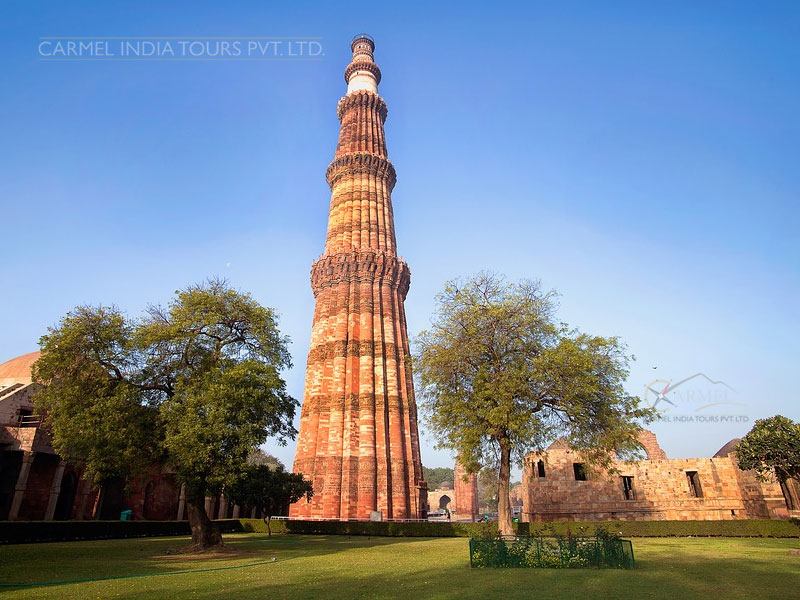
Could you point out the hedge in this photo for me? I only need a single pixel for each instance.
(21, 532)
(734, 528)
(392, 529)
(739, 528)
(258, 525)
(26, 532)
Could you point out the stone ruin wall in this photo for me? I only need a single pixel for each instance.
(661, 489)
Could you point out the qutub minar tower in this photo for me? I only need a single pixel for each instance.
(358, 440)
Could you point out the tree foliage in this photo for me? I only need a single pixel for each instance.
(260, 457)
(487, 489)
(196, 384)
(435, 476)
(771, 449)
(269, 489)
(500, 377)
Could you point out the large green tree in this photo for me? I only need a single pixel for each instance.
(196, 384)
(500, 377)
(772, 449)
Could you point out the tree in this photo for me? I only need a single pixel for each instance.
(270, 490)
(195, 384)
(499, 377)
(259, 457)
(487, 489)
(771, 449)
(435, 476)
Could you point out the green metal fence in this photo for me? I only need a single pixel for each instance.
(552, 553)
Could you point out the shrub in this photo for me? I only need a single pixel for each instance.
(258, 526)
(604, 550)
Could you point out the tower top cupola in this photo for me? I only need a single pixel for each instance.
(362, 73)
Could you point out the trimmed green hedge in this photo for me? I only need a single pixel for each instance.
(736, 528)
(392, 529)
(258, 526)
(27, 532)
(740, 528)
(21, 532)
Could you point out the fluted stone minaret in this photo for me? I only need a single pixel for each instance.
(358, 440)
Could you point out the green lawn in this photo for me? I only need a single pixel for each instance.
(350, 567)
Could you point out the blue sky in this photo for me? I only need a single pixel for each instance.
(640, 158)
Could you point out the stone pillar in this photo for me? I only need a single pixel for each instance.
(236, 511)
(465, 489)
(55, 489)
(252, 513)
(98, 503)
(22, 485)
(223, 508)
(209, 504)
(86, 487)
(181, 502)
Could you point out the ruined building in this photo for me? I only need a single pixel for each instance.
(37, 484)
(460, 496)
(558, 486)
(358, 440)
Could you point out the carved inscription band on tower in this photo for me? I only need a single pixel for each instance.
(358, 441)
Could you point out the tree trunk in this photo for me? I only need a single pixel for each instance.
(204, 533)
(503, 501)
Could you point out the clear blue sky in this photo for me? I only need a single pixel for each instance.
(641, 158)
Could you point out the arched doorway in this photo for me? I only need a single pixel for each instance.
(66, 497)
(444, 501)
(10, 463)
(112, 502)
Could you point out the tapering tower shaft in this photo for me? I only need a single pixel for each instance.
(358, 440)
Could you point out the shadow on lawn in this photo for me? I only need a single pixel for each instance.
(684, 575)
(77, 562)
(323, 567)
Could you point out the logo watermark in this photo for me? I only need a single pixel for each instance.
(179, 48)
(695, 399)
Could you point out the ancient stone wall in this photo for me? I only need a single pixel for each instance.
(674, 489)
(155, 496)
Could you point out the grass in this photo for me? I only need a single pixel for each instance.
(350, 567)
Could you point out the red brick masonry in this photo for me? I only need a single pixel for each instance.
(358, 440)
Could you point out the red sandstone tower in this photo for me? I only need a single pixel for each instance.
(358, 440)
(466, 493)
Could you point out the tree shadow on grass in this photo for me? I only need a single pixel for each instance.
(67, 563)
(333, 567)
(685, 576)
